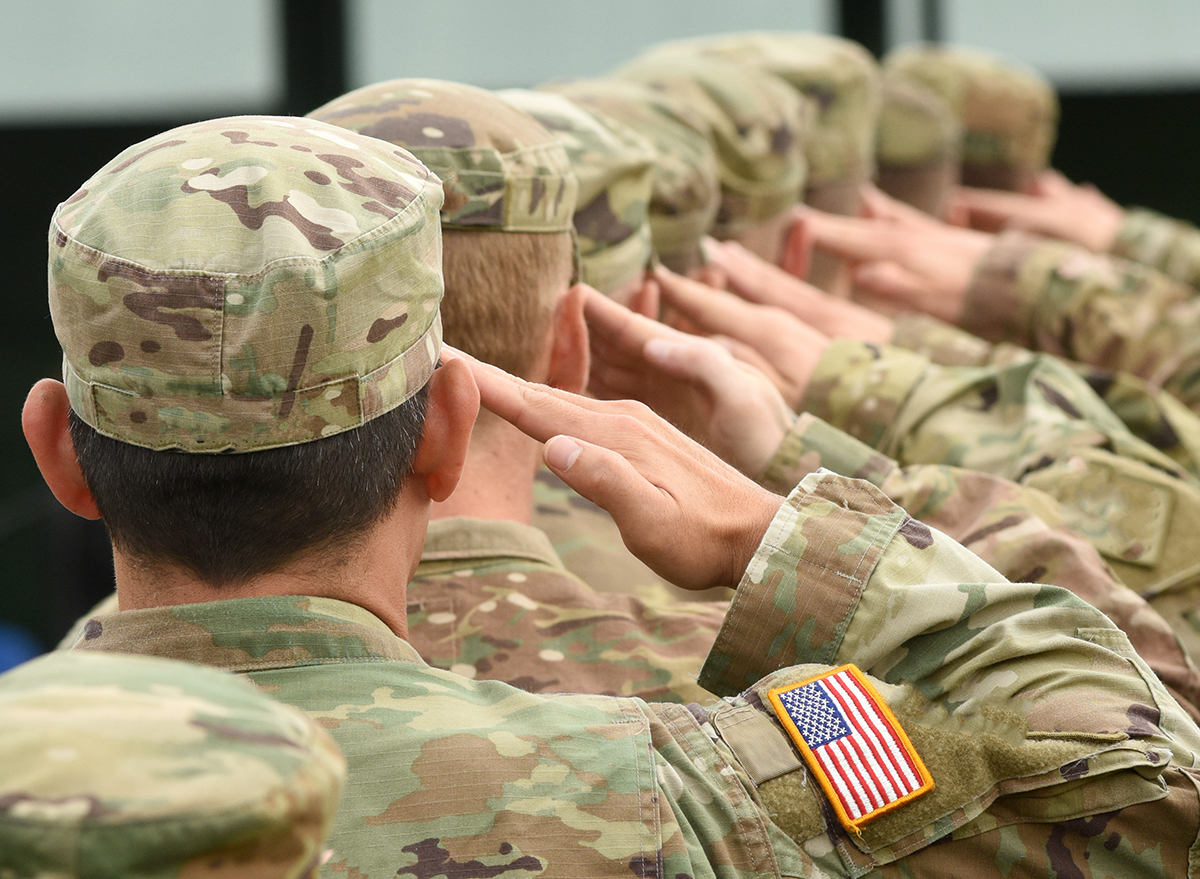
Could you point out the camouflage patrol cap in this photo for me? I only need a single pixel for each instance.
(756, 122)
(129, 767)
(686, 189)
(1009, 113)
(614, 167)
(246, 283)
(917, 146)
(838, 74)
(500, 168)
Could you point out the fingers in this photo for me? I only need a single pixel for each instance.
(878, 205)
(707, 309)
(852, 238)
(537, 411)
(697, 360)
(992, 204)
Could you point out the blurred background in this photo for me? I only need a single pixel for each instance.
(82, 79)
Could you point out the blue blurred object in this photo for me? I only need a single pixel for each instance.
(17, 645)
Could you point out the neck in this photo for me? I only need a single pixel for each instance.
(371, 570)
(497, 480)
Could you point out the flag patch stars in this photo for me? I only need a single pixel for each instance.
(852, 743)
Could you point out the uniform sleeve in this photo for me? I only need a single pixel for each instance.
(1036, 422)
(1007, 420)
(1093, 309)
(1019, 690)
(1151, 413)
(1017, 529)
(1161, 242)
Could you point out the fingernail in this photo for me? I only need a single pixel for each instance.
(561, 452)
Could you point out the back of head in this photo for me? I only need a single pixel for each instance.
(840, 77)
(1009, 113)
(502, 173)
(257, 284)
(686, 190)
(757, 125)
(614, 166)
(918, 146)
(127, 767)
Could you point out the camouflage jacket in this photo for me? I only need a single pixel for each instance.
(1016, 529)
(492, 600)
(1090, 308)
(1151, 413)
(1161, 242)
(1049, 741)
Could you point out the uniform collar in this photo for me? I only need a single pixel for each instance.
(461, 538)
(250, 634)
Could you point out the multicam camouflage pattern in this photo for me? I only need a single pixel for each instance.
(917, 146)
(1161, 242)
(1150, 413)
(1089, 308)
(614, 166)
(500, 169)
(1009, 112)
(686, 190)
(124, 767)
(838, 74)
(756, 123)
(1018, 530)
(1012, 691)
(1037, 422)
(492, 601)
(246, 283)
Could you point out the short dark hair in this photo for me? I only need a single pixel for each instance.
(231, 517)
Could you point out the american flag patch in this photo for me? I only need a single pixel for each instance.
(852, 743)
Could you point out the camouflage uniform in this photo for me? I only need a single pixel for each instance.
(573, 785)
(1161, 242)
(122, 767)
(1037, 422)
(1009, 112)
(1150, 413)
(1050, 741)
(1091, 308)
(1018, 530)
(684, 197)
(492, 600)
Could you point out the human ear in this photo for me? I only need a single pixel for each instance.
(449, 416)
(44, 421)
(569, 354)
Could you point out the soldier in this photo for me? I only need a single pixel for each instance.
(135, 767)
(281, 308)
(490, 585)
